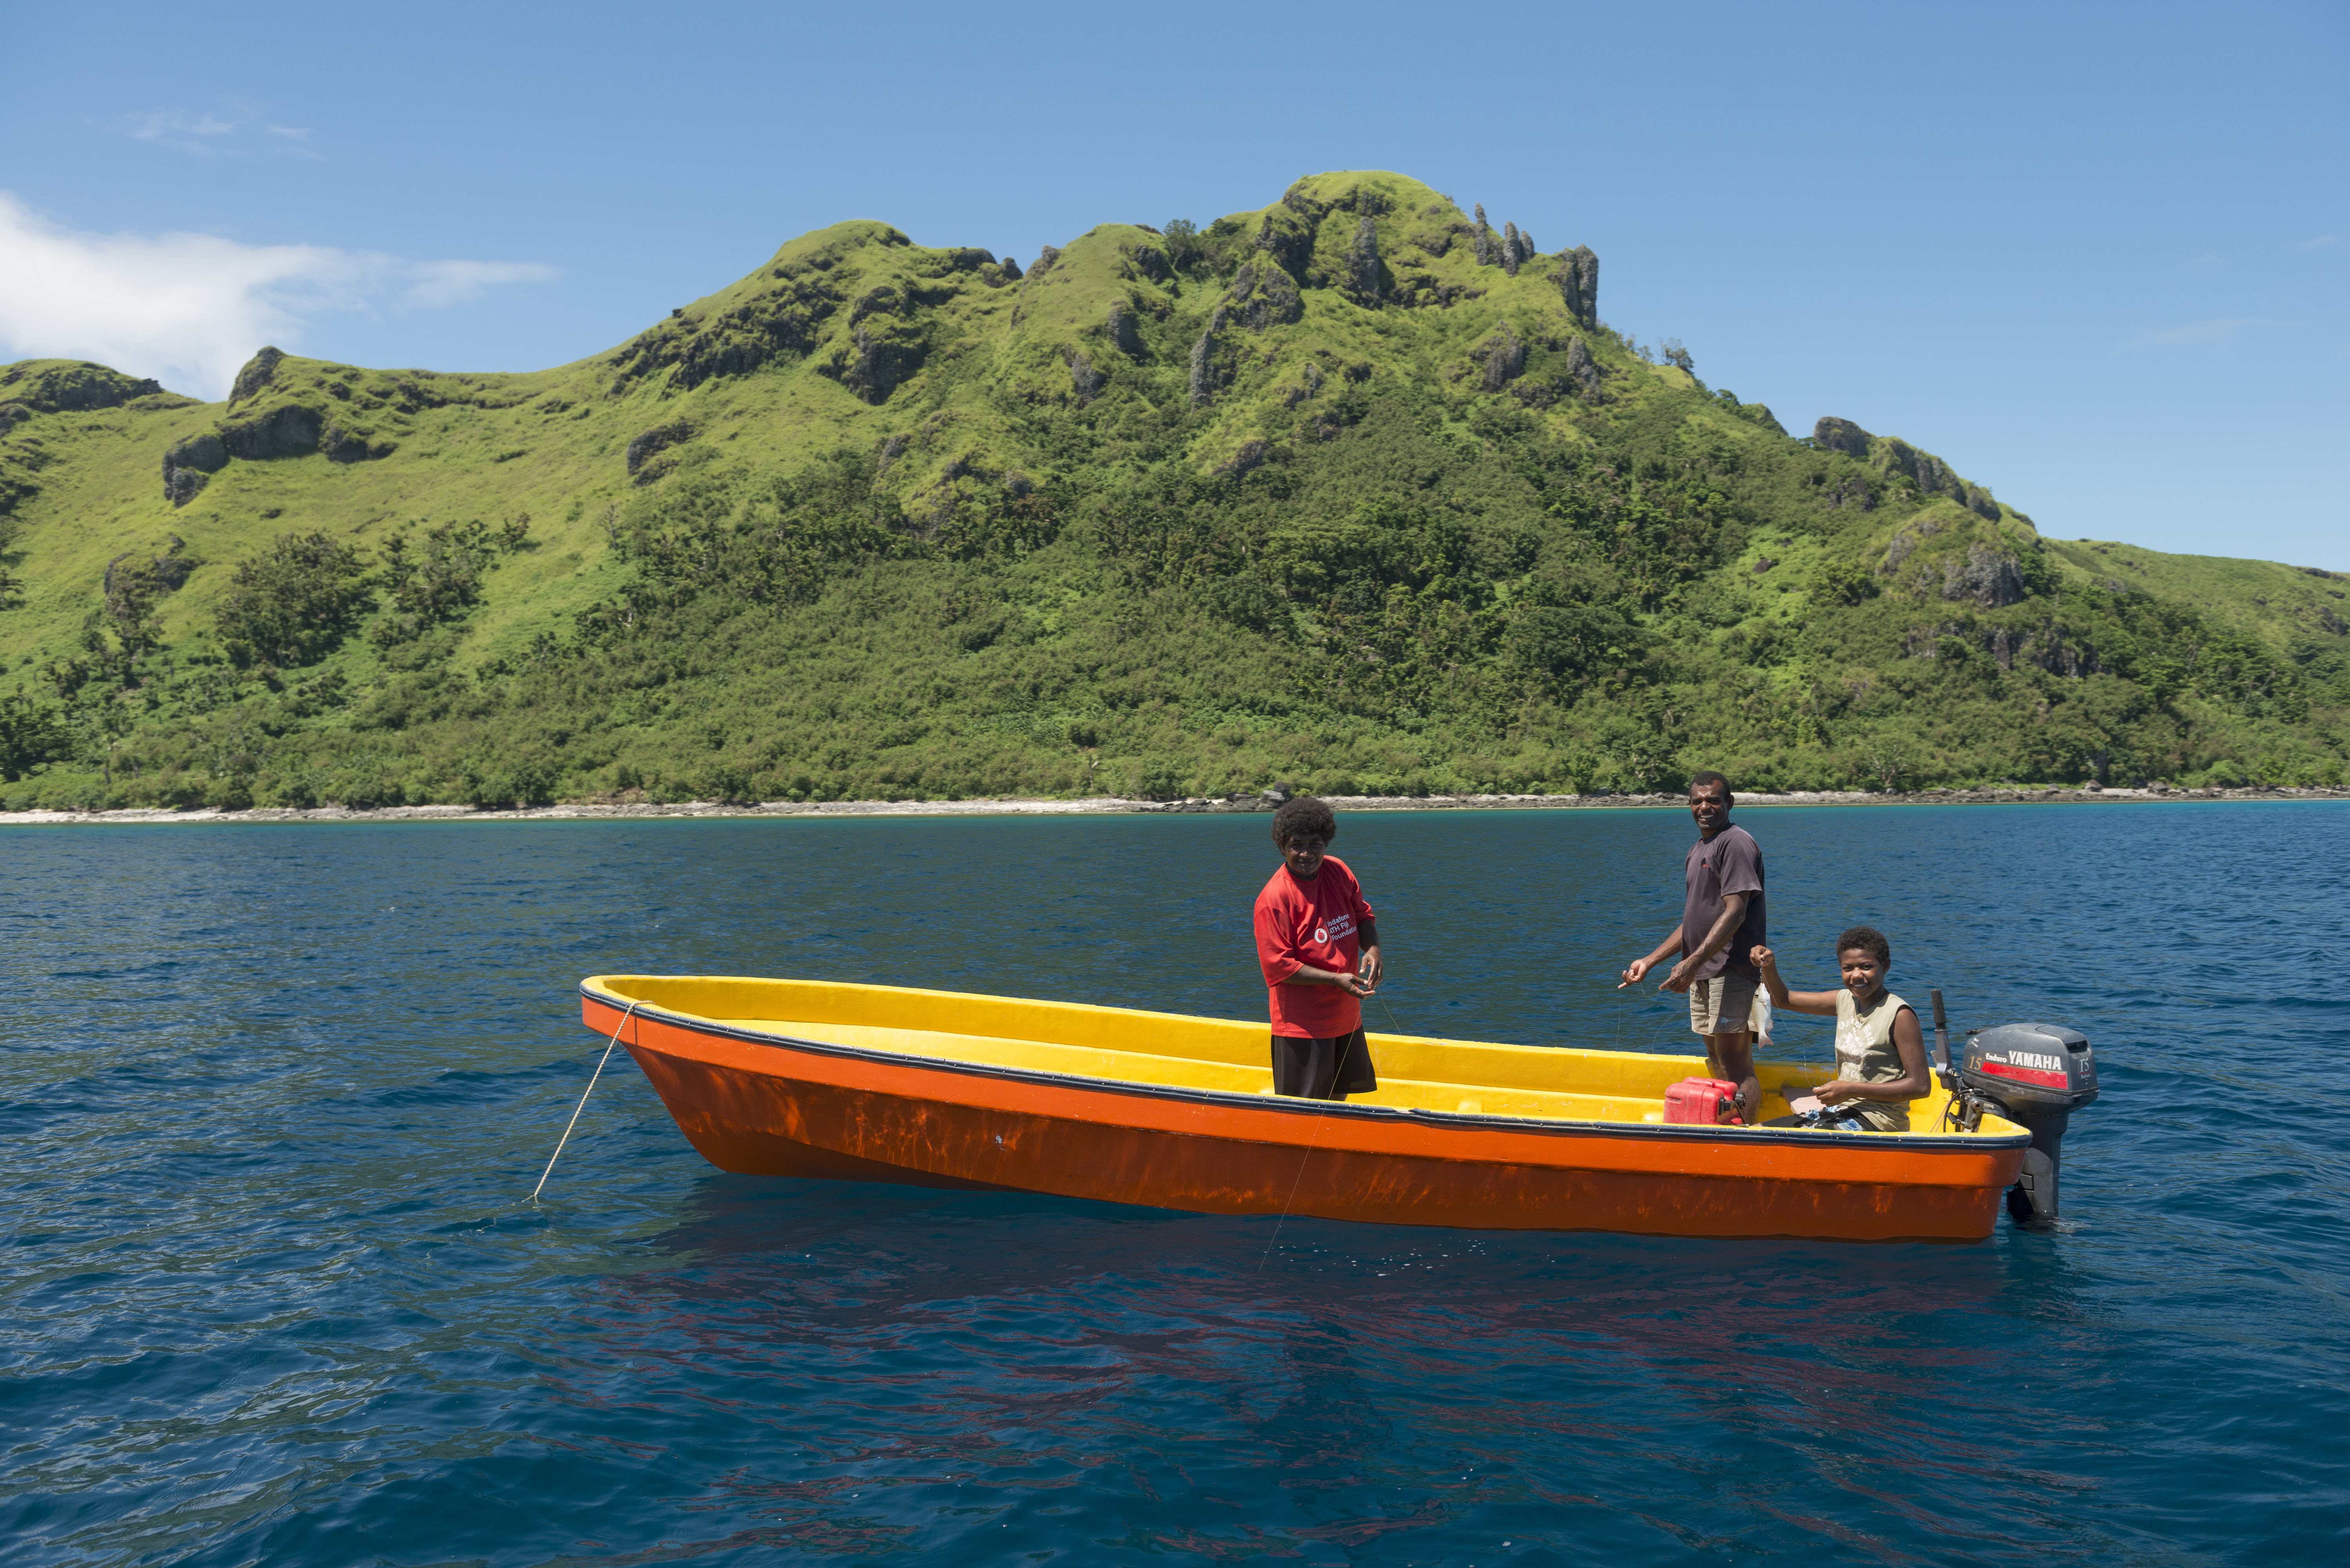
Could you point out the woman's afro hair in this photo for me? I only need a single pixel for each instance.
(1306, 815)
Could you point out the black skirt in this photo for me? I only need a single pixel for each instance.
(1323, 1069)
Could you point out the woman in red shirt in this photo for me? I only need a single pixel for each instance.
(1319, 949)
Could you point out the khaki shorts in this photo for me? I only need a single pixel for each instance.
(1722, 1005)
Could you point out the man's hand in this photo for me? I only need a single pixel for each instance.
(1837, 1093)
(1636, 971)
(1684, 975)
(1763, 958)
(1373, 970)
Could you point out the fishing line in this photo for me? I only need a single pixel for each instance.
(583, 1102)
(1337, 1064)
(1319, 1116)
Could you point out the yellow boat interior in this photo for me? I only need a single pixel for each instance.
(1455, 1076)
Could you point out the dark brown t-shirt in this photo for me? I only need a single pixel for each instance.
(1730, 862)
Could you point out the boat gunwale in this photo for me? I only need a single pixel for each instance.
(1953, 1143)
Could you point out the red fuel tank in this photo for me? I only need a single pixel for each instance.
(1706, 1102)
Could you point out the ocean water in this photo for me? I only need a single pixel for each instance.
(272, 1099)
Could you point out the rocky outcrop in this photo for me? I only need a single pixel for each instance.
(1893, 455)
(1288, 240)
(188, 465)
(257, 372)
(1510, 255)
(1084, 380)
(1251, 454)
(1504, 358)
(1205, 382)
(885, 348)
(1526, 251)
(289, 430)
(1933, 476)
(1583, 372)
(127, 577)
(1853, 491)
(12, 415)
(1363, 263)
(2046, 647)
(1577, 277)
(652, 444)
(784, 322)
(1480, 238)
(71, 389)
(1988, 576)
(1263, 295)
(1841, 435)
(342, 446)
(1122, 331)
(1904, 542)
(1044, 263)
(1141, 260)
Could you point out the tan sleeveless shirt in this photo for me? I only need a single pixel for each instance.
(1866, 1054)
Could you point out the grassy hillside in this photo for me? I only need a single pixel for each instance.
(1351, 490)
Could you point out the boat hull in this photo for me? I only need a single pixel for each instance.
(757, 1104)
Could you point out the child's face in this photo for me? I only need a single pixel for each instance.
(1303, 855)
(1863, 975)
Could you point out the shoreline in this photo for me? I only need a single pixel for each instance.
(1113, 806)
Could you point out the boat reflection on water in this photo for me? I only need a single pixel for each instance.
(931, 1366)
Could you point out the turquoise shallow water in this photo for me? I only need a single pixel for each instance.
(273, 1096)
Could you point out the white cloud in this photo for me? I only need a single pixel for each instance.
(209, 135)
(176, 128)
(2323, 241)
(432, 284)
(2215, 331)
(188, 309)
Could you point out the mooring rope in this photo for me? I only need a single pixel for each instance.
(583, 1101)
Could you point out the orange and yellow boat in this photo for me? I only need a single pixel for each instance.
(868, 1083)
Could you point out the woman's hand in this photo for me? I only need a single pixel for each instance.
(1373, 968)
(1763, 958)
(1837, 1093)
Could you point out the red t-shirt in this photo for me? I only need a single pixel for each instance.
(1311, 925)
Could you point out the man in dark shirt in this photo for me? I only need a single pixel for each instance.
(1722, 921)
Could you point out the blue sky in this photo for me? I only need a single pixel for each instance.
(2094, 256)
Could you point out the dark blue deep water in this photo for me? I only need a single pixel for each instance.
(272, 1099)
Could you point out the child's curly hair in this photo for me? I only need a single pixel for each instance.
(1306, 815)
(1868, 940)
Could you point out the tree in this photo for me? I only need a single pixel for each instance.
(31, 734)
(295, 601)
(1184, 250)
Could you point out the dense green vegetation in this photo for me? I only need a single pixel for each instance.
(1350, 491)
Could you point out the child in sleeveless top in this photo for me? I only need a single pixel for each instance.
(1880, 1051)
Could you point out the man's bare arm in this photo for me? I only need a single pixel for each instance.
(1733, 909)
(1639, 968)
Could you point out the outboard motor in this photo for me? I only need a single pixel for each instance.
(2034, 1074)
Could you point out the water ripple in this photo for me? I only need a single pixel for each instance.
(274, 1097)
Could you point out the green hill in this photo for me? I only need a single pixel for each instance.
(1351, 490)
